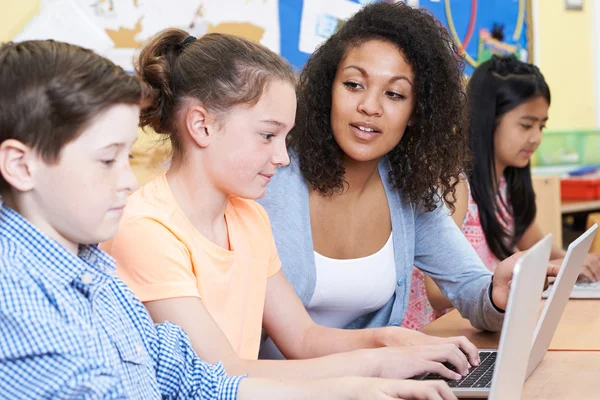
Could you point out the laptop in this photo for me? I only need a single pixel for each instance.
(581, 290)
(586, 290)
(559, 296)
(542, 335)
(501, 373)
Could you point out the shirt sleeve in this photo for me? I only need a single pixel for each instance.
(443, 252)
(179, 371)
(274, 261)
(41, 356)
(152, 261)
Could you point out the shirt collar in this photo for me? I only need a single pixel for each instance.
(55, 263)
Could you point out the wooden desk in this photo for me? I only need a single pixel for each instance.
(562, 374)
(577, 206)
(565, 375)
(579, 328)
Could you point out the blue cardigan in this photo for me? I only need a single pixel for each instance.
(429, 240)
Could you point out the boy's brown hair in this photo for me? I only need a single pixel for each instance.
(50, 91)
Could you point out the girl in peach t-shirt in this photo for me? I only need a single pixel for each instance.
(200, 253)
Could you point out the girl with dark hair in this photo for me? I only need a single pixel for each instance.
(378, 146)
(495, 205)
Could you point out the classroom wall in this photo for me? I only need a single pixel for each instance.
(566, 52)
(566, 47)
(596, 52)
(14, 14)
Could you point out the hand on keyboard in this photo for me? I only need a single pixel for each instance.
(407, 337)
(478, 377)
(585, 284)
(406, 362)
(387, 389)
(591, 268)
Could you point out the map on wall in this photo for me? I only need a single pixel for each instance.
(116, 28)
(292, 28)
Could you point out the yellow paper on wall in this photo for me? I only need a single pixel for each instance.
(14, 15)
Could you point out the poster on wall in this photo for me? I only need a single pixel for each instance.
(292, 28)
(480, 28)
(117, 28)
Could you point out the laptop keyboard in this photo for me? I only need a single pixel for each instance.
(587, 285)
(478, 377)
(581, 290)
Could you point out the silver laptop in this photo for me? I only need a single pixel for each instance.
(542, 336)
(559, 295)
(581, 290)
(586, 290)
(501, 373)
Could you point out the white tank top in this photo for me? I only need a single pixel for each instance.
(348, 289)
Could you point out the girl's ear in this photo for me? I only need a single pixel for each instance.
(199, 125)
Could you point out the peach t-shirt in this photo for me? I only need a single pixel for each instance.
(161, 255)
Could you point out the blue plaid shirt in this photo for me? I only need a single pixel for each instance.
(69, 329)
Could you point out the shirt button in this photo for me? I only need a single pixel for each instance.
(140, 349)
(87, 278)
(401, 281)
(395, 324)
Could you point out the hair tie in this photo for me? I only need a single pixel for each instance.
(187, 40)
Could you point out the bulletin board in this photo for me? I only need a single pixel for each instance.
(480, 28)
(292, 28)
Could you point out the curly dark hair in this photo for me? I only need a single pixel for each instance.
(426, 164)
